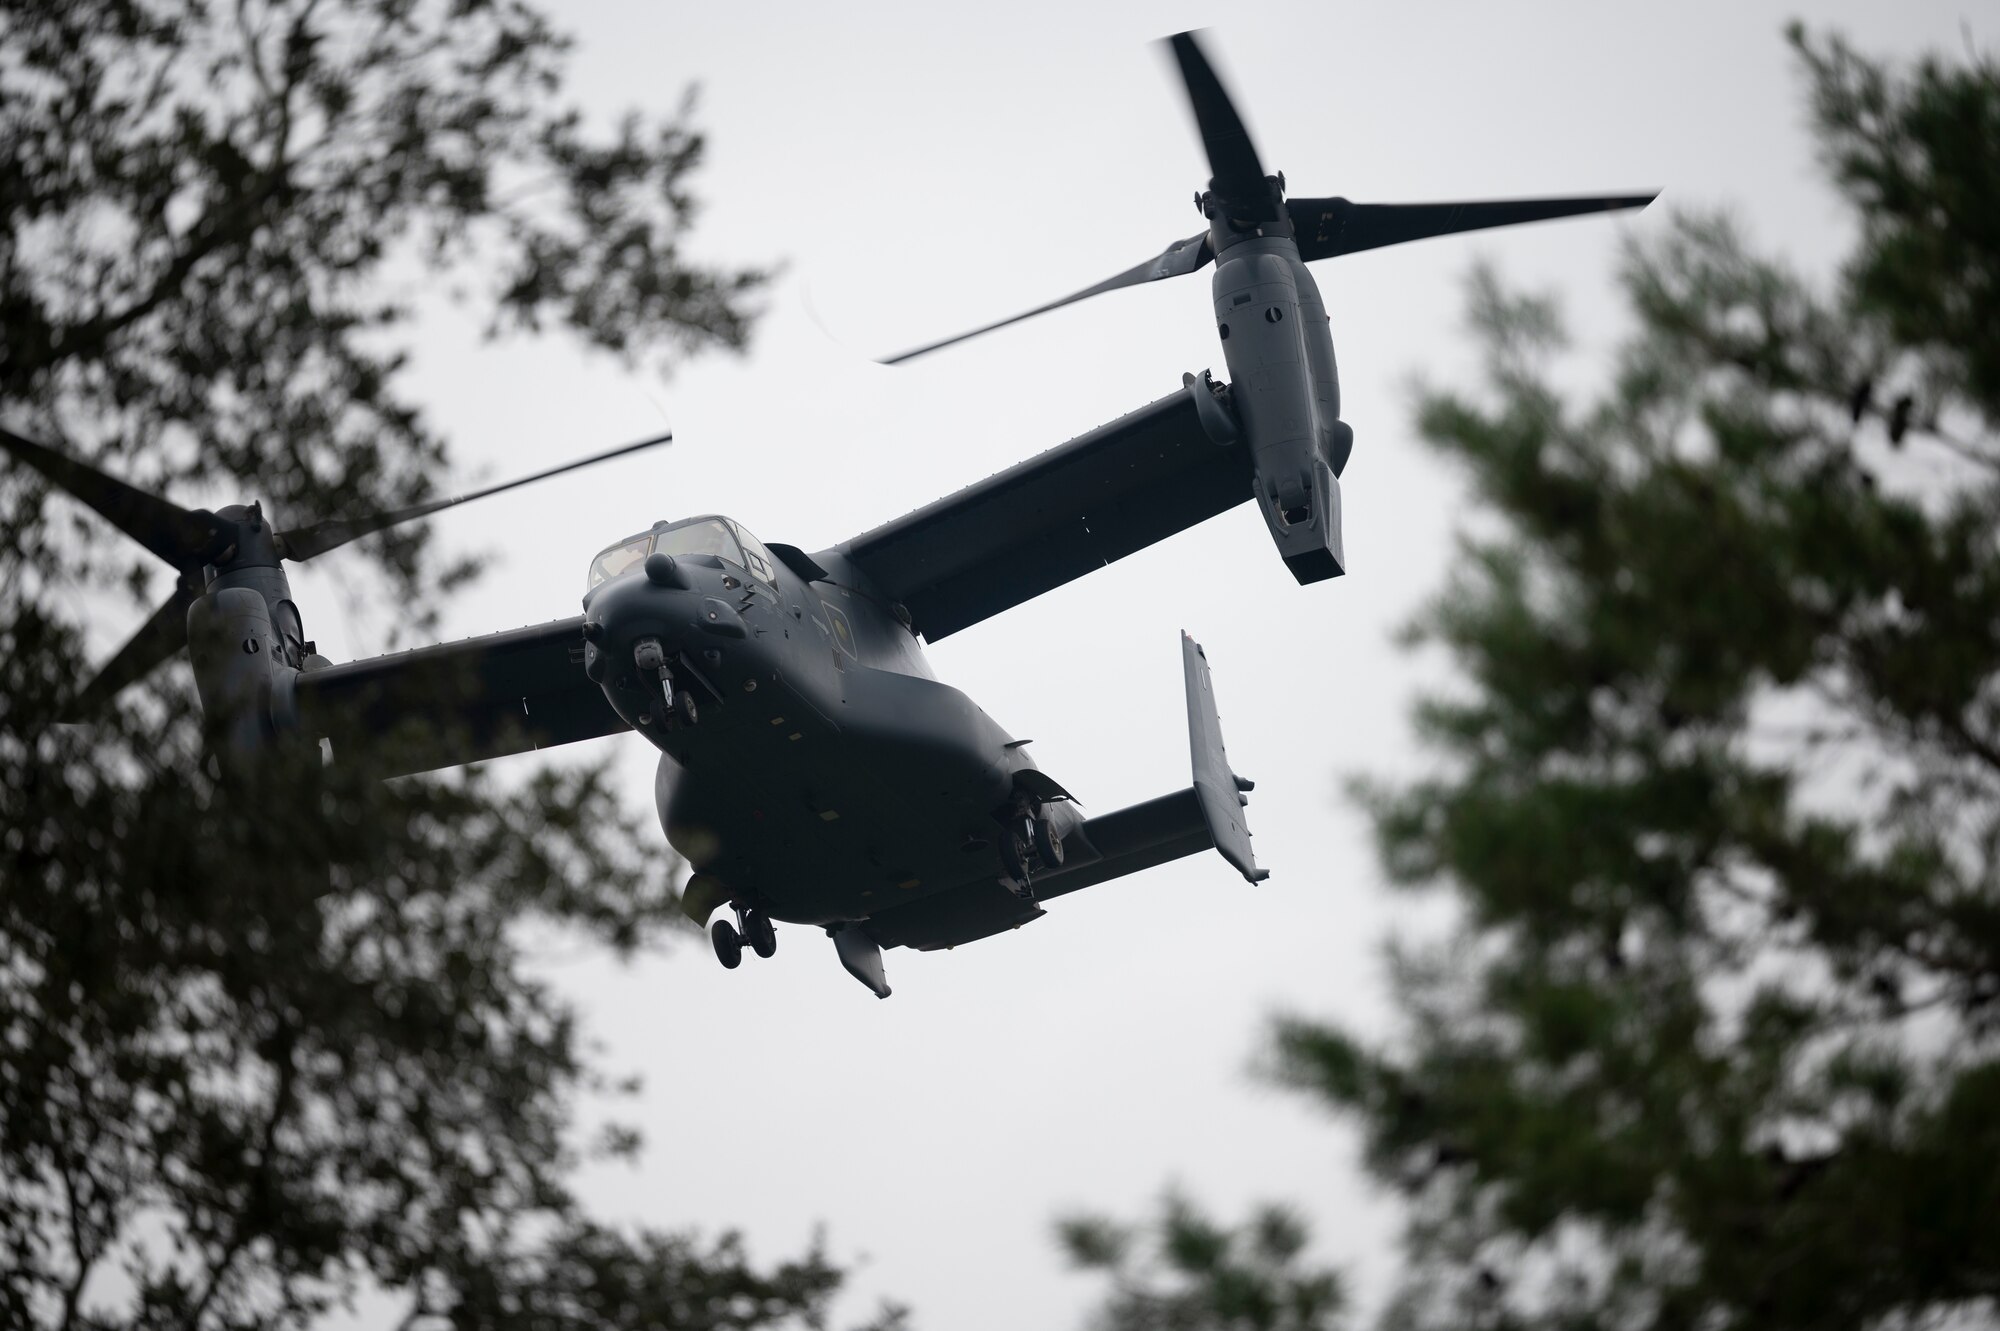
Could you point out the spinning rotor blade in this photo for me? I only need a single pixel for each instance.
(1238, 176)
(159, 638)
(184, 539)
(1178, 259)
(304, 543)
(1326, 227)
(1232, 158)
(187, 540)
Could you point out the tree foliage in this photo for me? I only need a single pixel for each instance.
(1718, 792)
(266, 1050)
(201, 205)
(1185, 1272)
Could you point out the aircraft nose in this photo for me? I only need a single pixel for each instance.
(628, 610)
(660, 609)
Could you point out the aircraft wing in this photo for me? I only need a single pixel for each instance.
(1054, 517)
(457, 702)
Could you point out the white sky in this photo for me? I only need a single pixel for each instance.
(921, 169)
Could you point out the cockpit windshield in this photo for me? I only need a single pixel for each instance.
(620, 558)
(702, 536)
(756, 557)
(710, 536)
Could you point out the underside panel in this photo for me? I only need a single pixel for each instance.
(1106, 847)
(822, 824)
(1055, 517)
(977, 910)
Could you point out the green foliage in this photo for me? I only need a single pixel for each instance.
(1719, 788)
(267, 1049)
(1185, 1272)
(590, 1277)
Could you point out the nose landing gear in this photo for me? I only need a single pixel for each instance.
(753, 927)
(680, 709)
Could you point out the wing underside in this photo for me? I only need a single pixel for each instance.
(457, 702)
(1055, 517)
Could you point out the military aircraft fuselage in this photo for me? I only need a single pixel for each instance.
(811, 763)
(812, 768)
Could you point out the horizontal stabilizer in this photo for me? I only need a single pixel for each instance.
(1130, 839)
(1111, 845)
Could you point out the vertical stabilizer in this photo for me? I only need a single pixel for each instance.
(1219, 789)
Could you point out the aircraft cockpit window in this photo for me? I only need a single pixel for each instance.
(756, 557)
(707, 537)
(620, 558)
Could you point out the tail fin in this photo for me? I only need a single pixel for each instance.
(1219, 789)
(1111, 845)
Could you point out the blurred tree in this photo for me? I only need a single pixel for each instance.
(1715, 1044)
(1201, 1276)
(265, 1052)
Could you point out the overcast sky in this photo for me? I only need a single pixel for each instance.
(924, 168)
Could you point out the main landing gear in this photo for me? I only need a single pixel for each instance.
(1029, 844)
(752, 927)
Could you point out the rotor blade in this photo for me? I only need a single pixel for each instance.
(1232, 158)
(175, 534)
(304, 543)
(1177, 260)
(159, 638)
(1326, 227)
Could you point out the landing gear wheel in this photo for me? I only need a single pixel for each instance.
(1014, 856)
(685, 709)
(1048, 845)
(728, 944)
(759, 933)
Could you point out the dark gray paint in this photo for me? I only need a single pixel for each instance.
(830, 778)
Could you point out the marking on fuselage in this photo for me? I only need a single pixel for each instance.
(843, 632)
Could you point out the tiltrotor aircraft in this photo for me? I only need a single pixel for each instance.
(812, 768)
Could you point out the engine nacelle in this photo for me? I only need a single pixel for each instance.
(1285, 387)
(247, 644)
(233, 646)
